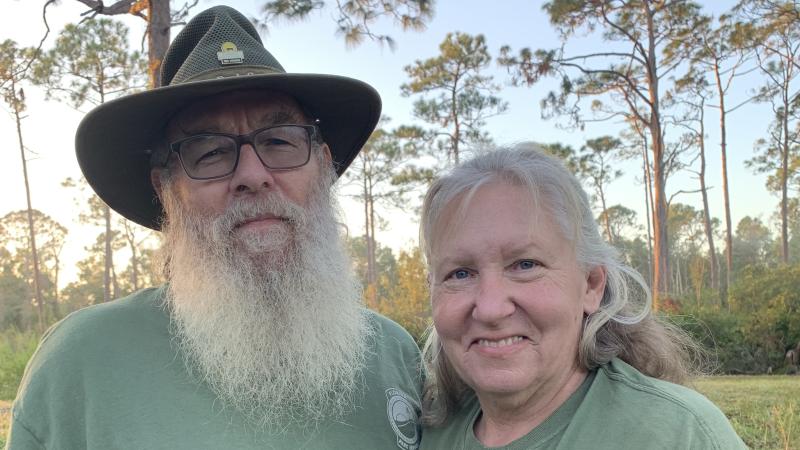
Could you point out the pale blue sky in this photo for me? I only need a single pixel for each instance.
(312, 46)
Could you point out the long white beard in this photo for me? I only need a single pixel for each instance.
(274, 323)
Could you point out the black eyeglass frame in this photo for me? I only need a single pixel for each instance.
(312, 133)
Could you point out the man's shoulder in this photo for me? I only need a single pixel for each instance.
(136, 302)
(90, 363)
(386, 324)
(102, 325)
(111, 316)
(393, 351)
(389, 332)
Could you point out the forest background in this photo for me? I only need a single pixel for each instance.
(681, 119)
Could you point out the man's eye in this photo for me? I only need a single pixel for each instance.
(281, 136)
(274, 142)
(212, 156)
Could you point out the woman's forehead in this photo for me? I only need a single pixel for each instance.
(457, 206)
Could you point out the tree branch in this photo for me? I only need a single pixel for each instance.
(625, 33)
(605, 54)
(671, 197)
(21, 73)
(613, 73)
(97, 7)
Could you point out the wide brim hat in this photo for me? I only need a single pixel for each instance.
(218, 51)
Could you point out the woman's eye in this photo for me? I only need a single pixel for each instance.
(527, 264)
(458, 274)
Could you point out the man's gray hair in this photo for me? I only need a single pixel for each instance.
(623, 326)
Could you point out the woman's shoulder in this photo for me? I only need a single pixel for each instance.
(631, 400)
(634, 385)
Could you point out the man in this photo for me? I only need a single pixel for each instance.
(259, 339)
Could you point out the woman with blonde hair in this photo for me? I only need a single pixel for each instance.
(542, 338)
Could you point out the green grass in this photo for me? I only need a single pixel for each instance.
(16, 349)
(764, 410)
(5, 421)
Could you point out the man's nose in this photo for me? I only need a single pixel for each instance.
(251, 174)
(494, 300)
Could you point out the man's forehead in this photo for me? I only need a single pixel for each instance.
(258, 107)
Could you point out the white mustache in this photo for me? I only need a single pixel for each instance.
(270, 204)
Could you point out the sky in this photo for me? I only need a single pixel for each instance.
(312, 46)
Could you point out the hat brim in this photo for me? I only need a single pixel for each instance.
(111, 140)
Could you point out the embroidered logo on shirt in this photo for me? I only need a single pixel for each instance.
(403, 417)
(229, 54)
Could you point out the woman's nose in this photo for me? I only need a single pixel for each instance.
(493, 301)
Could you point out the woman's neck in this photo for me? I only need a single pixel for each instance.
(506, 418)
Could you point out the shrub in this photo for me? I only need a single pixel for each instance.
(762, 323)
(16, 349)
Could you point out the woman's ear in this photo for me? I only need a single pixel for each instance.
(595, 288)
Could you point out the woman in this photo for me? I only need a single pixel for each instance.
(538, 340)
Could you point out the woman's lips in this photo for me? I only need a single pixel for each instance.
(495, 343)
(499, 345)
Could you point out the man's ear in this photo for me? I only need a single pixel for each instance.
(155, 180)
(327, 152)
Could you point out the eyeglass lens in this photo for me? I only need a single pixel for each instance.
(210, 156)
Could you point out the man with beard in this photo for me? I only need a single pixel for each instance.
(259, 338)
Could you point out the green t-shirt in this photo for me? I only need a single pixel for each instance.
(108, 377)
(617, 407)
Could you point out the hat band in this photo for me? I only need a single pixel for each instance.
(231, 72)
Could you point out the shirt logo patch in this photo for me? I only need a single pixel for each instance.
(229, 54)
(403, 417)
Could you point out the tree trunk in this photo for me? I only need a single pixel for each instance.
(785, 173)
(37, 291)
(56, 306)
(712, 253)
(698, 289)
(368, 228)
(660, 245)
(374, 246)
(648, 202)
(456, 138)
(158, 26)
(108, 255)
(135, 268)
(131, 238)
(605, 214)
(726, 197)
(660, 237)
(159, 20)
(114, 284)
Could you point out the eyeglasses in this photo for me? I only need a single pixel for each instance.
(207, 156)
